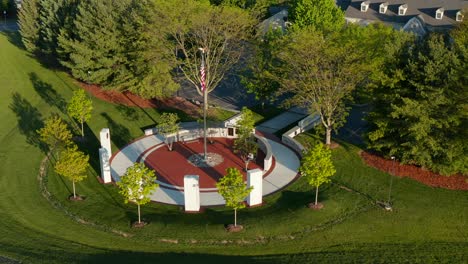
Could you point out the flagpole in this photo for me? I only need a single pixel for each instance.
(205, 101)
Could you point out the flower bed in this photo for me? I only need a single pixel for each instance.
(454, 182)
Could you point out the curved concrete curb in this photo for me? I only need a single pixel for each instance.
(284, 172)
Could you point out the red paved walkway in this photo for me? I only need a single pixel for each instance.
(172, 166)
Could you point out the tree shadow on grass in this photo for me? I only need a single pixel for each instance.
(29, 120)
(120, 135)
(47, 92)
(14, 37)
(129, 113)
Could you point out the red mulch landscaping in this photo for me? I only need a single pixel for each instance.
(129, 99)
(454, 182)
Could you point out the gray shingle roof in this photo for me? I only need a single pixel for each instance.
(425, 8)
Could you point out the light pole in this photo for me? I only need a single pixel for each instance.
(4, 16)
(388, 206)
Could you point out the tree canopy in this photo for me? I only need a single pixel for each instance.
(219, 30)
(320, 73)
(80, 107)
(136, 185)
(72, 165)
(55, 133)
(167, 126)
(322, 15)
(234, 190)
(317, 166)
(420, 112)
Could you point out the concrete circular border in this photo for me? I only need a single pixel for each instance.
(285, 171)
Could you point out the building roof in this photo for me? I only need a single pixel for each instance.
(425, 9)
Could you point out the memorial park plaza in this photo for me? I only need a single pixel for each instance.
(40, 225)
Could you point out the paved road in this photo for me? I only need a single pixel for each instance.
(9, 26)
(230, 94)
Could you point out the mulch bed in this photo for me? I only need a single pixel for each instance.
(314, 206)
(77, 198)
(454, 182)
(129, 99)
(234, 229)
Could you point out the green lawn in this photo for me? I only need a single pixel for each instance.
(427, 224)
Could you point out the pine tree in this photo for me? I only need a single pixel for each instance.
(95, 51)
(29, 24)
(420, 112)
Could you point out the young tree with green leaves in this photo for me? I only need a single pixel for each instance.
(234, 190)
(317, 167)
(168, 126)
(72, 165)
(322, 15)
(55, 133)
(136, 185)
(321, 74)
(244, 144)
(80, 107)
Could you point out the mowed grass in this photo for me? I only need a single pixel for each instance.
(427, 225)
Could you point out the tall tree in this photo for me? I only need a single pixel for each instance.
(119, 45)
(234, 190)
(72, 165)
(56, 16)
(244, 144)
(220, 31)
(259, 77)
(29, 23)
(207, 41)
(80, 107)
(322, 15)
(320, 73)
(55, 133)
(149, 62)
(168, 126)
(317, 167)
(420, 112)
(96, 53)
(136, 185)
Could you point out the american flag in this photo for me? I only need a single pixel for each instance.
(202, 74)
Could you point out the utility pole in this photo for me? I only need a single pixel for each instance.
(388, 205)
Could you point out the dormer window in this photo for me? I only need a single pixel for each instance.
(365, 6)
(459, 17)
(402, 9)
(439, 13)
(383, 8)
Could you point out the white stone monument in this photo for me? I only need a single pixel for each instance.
(192, 193)
(255, 180)
(105, 153)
